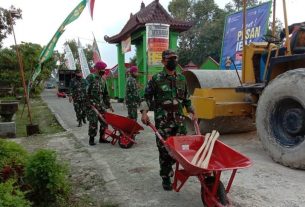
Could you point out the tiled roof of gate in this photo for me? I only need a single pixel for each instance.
(152, 13)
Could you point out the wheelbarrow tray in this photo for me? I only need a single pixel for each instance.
(127, 125)
(183, 149)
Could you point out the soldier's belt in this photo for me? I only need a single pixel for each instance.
(170, 107)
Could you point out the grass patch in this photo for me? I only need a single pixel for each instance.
(8, 98)
(41, 115)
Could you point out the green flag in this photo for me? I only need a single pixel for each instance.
(48, 50)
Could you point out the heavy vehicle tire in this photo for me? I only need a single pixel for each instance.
(280, 118)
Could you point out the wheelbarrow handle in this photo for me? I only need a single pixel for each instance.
(98, 113)
(156, 132)
(197, 129)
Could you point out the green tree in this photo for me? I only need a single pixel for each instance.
(237, 5)
(88, 50)
(6, 21)
(205, 37)
(29, 52)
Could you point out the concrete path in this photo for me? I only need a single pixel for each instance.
(132, 175)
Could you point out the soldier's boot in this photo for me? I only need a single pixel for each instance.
(84, 120)
(91, 141)
(167, 184)
(79, 123)
(103, 140)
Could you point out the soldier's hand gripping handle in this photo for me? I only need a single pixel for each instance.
(111, 109)
(193, 116)
(145, 118)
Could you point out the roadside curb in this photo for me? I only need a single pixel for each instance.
(59, 120)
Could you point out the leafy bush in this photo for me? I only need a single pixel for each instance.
(11, 196)
(19, 91)
(13, 158)
(12, 152)
(47, 178)
(36, 91)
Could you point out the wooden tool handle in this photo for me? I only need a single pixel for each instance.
(206, 161)
(206, 149)
(195, 158)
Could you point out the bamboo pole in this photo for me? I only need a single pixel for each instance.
(244, 36)
(273, 20)
(21, 70)
(288, 52)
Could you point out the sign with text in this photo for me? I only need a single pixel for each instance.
(126, 45)
(256, 26)
(157, 41)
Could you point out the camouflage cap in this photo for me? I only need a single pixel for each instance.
(168, 54)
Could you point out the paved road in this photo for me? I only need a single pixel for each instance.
(132, 178)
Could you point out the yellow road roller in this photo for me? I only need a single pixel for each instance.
(270, 98)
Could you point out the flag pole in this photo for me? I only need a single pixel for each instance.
(21, 71)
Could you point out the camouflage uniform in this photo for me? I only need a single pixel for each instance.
(132, 97)
(97, 96)
(77, 90)
(166, 95)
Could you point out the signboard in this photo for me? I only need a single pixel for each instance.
(126, 45)
(256, 26)
(157, 41)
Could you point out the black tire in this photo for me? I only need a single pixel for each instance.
(125, 143)
(221, 191)
(280, 118)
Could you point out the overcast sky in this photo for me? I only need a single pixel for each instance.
(41, 19)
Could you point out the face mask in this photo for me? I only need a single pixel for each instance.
(171, 64)
(134, 75)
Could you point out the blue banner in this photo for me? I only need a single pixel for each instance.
(256, 26)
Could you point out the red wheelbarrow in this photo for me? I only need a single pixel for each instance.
(124, 129)
(61, 94)
(183, 150)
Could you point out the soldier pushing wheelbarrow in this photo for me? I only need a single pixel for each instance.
(166, 94)
(98, 97)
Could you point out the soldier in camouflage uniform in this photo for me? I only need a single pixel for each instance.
(132, 98)
(77, 94)
(97, 94)
(166, 94)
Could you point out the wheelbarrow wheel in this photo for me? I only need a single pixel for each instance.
(124, 142)
(220, 195)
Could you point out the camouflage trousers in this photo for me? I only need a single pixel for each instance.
(132, 113)
(167, 129)
(93, 124)
(80, 109)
